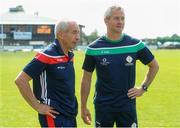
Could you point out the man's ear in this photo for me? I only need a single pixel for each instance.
(106, 20)
(60, 35)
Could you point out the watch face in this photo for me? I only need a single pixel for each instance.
(144, 87)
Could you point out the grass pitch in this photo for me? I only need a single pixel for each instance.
(159, 107)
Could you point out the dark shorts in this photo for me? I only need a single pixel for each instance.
(105, 118)
(59, 121)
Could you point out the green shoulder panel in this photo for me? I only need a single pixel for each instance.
(115, 50)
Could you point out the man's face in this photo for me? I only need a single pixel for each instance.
(72, 36)
(115, 23)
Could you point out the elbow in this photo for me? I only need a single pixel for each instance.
(17, 81)
(157, 67)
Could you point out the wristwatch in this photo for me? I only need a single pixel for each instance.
(144, 87)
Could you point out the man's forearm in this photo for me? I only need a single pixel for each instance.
(25, 90)
(84, 95)
(153, 69)
(85, 88)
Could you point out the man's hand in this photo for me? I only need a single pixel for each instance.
(135, 92)
(86, 116)
(46, 110)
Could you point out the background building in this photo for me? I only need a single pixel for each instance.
(21, 29)
(18, 28)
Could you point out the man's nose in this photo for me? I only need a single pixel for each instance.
(77, 37)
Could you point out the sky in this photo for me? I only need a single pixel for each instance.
(144, 18)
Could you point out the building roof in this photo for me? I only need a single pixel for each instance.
(23, 18)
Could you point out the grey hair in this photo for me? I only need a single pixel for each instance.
(61, 26)
(109, 11)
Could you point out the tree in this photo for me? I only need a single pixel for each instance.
(89, 38)
(93, 36)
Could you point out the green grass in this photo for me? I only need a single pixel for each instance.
(159, 107)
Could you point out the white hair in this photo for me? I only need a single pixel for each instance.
(61, 26)
(109, 11)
